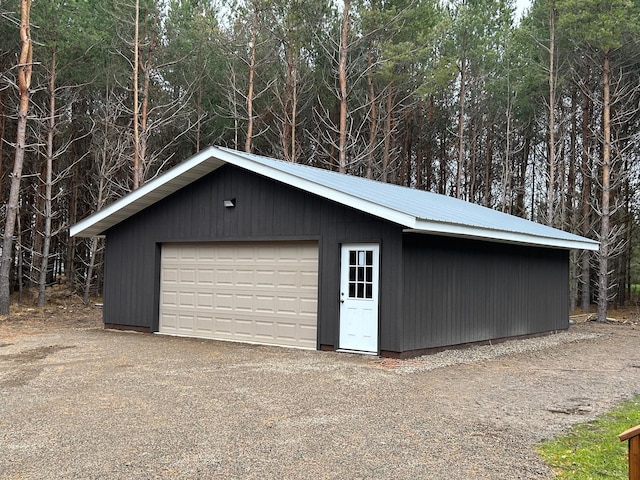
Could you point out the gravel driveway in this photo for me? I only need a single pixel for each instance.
(77, 401)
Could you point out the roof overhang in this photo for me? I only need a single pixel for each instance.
(206, 162)
(212, 158)
(492, 235)
(151, 192)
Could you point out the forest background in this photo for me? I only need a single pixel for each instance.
(536, 116)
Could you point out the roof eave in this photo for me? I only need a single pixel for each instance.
(148, 194)
(205, 162)
(450, 229)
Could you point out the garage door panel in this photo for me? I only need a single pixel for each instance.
(224, 277)
(265, 278)
(187, 299)
(205, 300)
(287, 278)
(264, 304)
(205, 324)
(206, 277)
(244, 278)
(186, 323)
(223, 327)
(224, 303)
(287, 330)
(307, 308)
(187, 275)
(206, 254)
(169, 320)
(170, 275)
(170, 298)
(186, 255)
(264, 293)
(287, 305)
(308, 280)
(265, 330)
(244, 303)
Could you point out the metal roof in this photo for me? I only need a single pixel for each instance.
(416, 210)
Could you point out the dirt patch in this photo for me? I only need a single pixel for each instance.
(78, 401)
(34, 354)
(27, 364)
(30, 320)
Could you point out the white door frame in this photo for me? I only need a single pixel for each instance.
(359, 297)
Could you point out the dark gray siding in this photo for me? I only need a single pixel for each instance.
(459, 291)
(265, 210)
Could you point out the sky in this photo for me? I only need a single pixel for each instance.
(521, 6)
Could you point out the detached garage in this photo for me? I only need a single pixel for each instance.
(234, 246)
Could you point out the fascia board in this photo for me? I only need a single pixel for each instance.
(449, 229)
(323, 191)
(146, 195)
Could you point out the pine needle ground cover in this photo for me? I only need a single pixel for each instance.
(592, 450)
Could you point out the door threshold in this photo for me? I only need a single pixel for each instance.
(357, 352)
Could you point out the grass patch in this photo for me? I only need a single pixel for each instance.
(591, 451)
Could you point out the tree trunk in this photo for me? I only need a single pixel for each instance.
(571, 219)
(405, 167)
(586, 198)
(287, 106)
(3, 122)
(552, 118)
(146, 95)
(86, 294)
(373, 112)
(144, 119)
(419, 143)
(488, 164)
(46, 241)
(471, 172)
(248, 144)
(25, 67)
(461, 105)
(137, 181)
(603, 270)
(388, 127)
(442, 181)
(342, 81)
(520, 208)
(294, 116)
(430, 140)
(507, 176)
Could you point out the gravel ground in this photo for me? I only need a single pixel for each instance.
(80, 402)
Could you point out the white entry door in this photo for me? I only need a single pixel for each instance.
(359, 297)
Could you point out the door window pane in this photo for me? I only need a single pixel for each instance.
(361, 274)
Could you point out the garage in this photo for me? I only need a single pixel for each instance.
(261, 292)
(234, 246)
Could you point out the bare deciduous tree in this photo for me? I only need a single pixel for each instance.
(25, 69)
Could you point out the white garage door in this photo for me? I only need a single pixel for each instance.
(250, 292)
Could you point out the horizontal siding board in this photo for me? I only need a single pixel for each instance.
(265, 210)
(460, 291)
